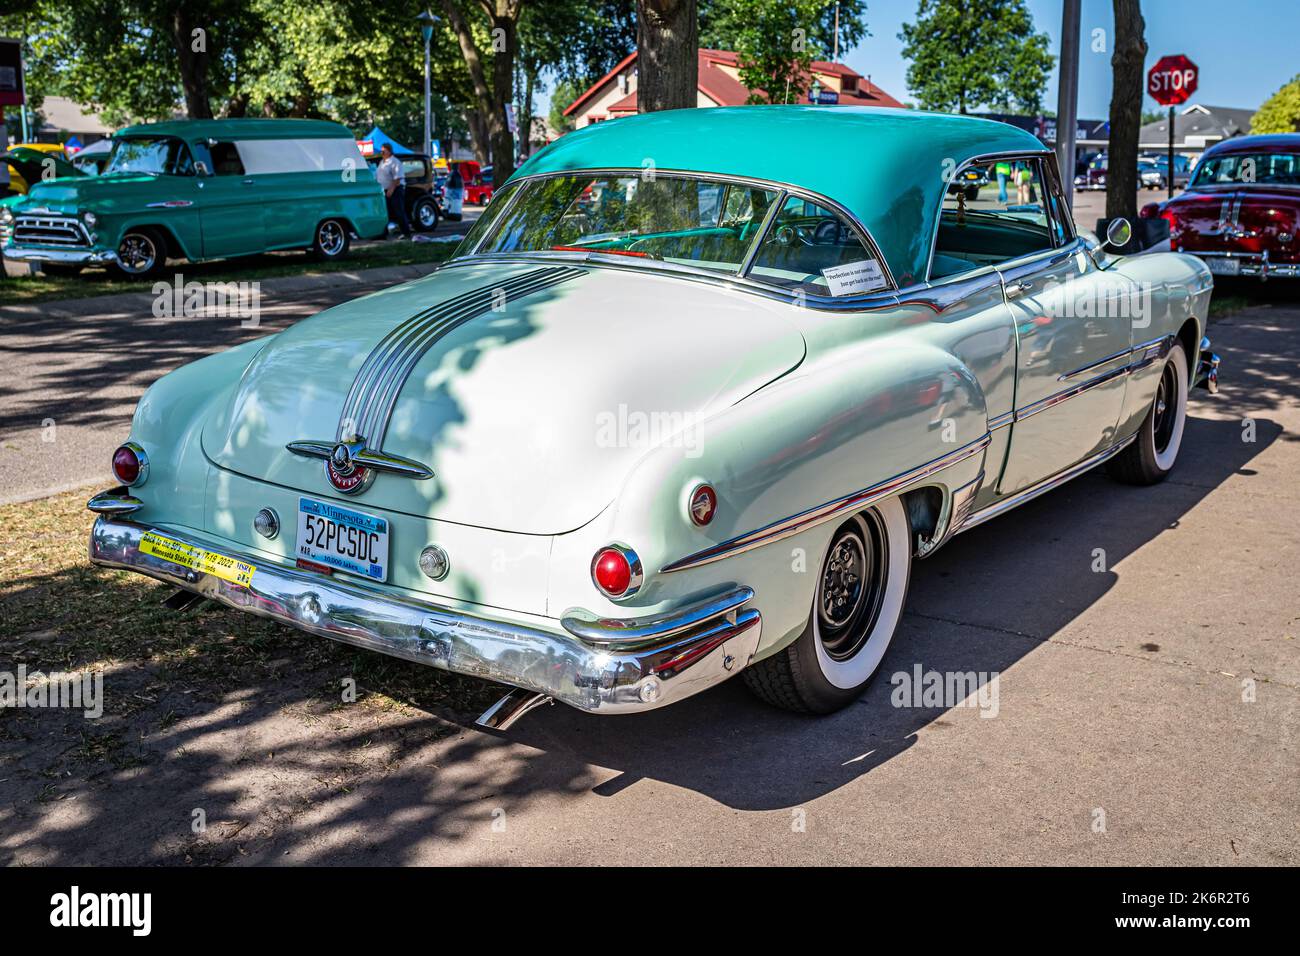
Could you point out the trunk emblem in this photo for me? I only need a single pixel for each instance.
(350, 466)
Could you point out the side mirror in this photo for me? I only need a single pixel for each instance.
(201, 168)
(1118, 233)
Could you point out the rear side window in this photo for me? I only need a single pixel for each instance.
(980, 226)
(225, 160)
(261, 156)
(813, 249)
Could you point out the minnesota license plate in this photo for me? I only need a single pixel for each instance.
(341, 538)
(1224, 266)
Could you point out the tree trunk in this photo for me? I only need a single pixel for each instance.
(667, 44)
(1125, 110)
(193, 63)
(503, 23)
(478, 135)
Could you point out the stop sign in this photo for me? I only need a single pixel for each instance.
(1172, 80)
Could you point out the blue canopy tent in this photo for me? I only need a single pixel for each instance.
(377, 138)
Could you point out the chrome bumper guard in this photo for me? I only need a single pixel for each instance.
(607, 666)
(83, 257)
(1207, 369)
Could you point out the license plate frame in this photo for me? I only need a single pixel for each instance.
(366, 549)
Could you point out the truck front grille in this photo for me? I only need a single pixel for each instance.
(49, 231)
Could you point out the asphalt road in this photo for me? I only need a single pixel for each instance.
(1148, 706)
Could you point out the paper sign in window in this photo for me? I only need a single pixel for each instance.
(855, 278)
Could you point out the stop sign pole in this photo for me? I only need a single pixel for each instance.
(1170, 82)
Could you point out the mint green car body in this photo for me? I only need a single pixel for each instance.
(204, 212)
(949, 395)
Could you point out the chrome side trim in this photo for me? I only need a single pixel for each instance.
(1043, 404)
(1139, 357)
(606, 678)
(957, 510)
(946, 293)
(1001, 421)
(1044, 486)
(786, 527)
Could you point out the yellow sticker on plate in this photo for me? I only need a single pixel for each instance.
(197, 559)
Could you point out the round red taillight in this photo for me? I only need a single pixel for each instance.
(703, 505)
(130, 464)
(616, 571)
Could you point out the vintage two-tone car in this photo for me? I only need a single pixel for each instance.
(1241, 210)
(198, 190)
(683, 406)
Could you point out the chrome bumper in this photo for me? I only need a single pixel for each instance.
(1251, 265)
(82, 257)
(1207, 369)
(594, 664)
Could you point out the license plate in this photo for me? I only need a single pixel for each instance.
(341, 538)
(1224, 266)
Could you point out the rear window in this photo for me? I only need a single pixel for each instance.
(1279, 168)
(697, 222)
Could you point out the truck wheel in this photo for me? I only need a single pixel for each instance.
(332, 240)
(860, 591)
(142, 254)
(425, 215)
(1150, 458)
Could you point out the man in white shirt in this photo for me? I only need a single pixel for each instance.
(393, 181)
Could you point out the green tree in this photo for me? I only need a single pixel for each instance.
(969, 53)
(777, 40)
(1280, 112)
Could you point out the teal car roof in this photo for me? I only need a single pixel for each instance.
(886, 166)
(241, 129)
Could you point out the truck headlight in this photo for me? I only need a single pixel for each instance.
(89, 218)
(6, 214)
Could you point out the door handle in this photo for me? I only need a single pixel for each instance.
(1018, 288)
(249, 182)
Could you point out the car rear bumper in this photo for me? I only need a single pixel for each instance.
(1250, 264)
(591, 663)
(83, 257)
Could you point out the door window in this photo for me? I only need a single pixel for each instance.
(980, 226)
(225, 160)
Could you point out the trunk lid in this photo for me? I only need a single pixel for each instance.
(530, 416)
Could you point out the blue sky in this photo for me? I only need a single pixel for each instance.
(1245, 49)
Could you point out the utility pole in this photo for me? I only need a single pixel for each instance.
(1067, 98)
(427, 21)
(835, 56)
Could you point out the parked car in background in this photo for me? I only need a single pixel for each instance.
(1241, 211)
(478, 182)
(969, 182)
(35, 162)
(580, 458)
(202, 189)
(1182, 167)
(1150, 176)
(423, 192)
(1094, 177)
(92, 159)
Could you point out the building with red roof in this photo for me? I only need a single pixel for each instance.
(719, 84)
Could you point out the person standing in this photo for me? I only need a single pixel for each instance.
(1003, 171)
(393, 181)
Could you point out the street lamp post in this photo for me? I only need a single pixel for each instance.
(427, 22)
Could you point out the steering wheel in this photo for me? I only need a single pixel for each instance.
(828, 232)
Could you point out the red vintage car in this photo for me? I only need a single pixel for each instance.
(1241, 210)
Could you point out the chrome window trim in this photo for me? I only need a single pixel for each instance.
(982, 158)
(812, 517)
(511, 198)
(783, 192)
